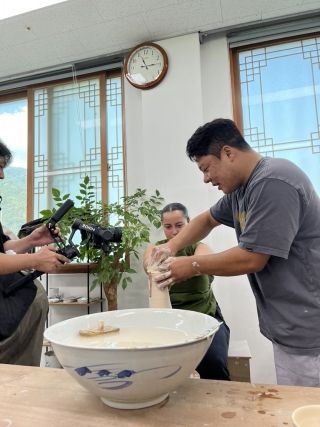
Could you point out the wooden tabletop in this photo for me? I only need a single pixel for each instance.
(45, 397)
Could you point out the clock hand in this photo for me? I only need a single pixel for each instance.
(149, 65)
(144, 64)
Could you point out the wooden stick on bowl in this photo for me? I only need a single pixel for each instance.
(101, 329)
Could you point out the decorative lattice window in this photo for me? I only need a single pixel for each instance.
(77, 131)
(279, 97)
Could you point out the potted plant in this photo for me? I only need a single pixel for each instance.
(135, 216)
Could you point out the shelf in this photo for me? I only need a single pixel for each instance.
(96, 301)
(76, 268)
(87, 302)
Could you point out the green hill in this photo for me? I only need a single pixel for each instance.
(13, 190)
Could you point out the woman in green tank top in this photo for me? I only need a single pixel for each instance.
(196, 294)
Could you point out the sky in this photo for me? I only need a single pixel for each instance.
(10, 8)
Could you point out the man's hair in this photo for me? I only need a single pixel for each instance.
(213, 136)
(5, 153)
(175, 207)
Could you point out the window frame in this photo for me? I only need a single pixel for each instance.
(102, 76)
(235, 72)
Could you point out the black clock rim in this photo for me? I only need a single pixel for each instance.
(161, 75)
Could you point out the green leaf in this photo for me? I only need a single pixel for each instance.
(46, 213)
(55, 192)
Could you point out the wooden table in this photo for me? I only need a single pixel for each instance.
(45, 397)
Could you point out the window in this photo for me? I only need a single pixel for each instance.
(75, 129)
(278, 93)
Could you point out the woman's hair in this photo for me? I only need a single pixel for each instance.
(175, 207)
(5, 153)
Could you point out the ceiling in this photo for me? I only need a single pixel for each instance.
(76, 30)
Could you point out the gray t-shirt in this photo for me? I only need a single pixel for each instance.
(278, 213)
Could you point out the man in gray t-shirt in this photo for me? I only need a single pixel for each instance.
(275, 211)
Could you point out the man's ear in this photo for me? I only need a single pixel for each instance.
(228, 152)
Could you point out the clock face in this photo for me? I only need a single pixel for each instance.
(146, 65)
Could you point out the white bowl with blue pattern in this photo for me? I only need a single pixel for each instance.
(137, 374)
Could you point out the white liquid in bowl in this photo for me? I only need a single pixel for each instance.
(128, 337)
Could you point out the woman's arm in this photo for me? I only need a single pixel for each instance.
(203, 249)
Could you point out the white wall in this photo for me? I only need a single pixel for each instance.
(158, 124)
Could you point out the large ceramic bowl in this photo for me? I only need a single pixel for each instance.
(154, 351)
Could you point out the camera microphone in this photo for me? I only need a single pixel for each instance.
(56, 217)
(67, 205)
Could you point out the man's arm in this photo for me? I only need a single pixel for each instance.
(232, 262)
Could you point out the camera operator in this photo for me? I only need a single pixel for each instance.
(23, 311)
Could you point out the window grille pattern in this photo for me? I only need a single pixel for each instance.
(280, 98)
(67, 139)
(114, 138)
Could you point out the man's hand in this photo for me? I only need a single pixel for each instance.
(174, 270)
(158, 255)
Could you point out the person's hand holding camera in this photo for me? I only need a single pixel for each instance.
(42, 236)
(48, 260)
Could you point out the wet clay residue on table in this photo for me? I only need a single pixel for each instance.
(228, 414)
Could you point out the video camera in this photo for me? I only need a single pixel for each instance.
(98, 237)
(69, 251)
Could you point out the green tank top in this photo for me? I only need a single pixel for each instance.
(193, 294)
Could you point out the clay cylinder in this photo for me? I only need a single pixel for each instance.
(159, 298)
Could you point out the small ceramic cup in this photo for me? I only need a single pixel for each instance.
(306, 416)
